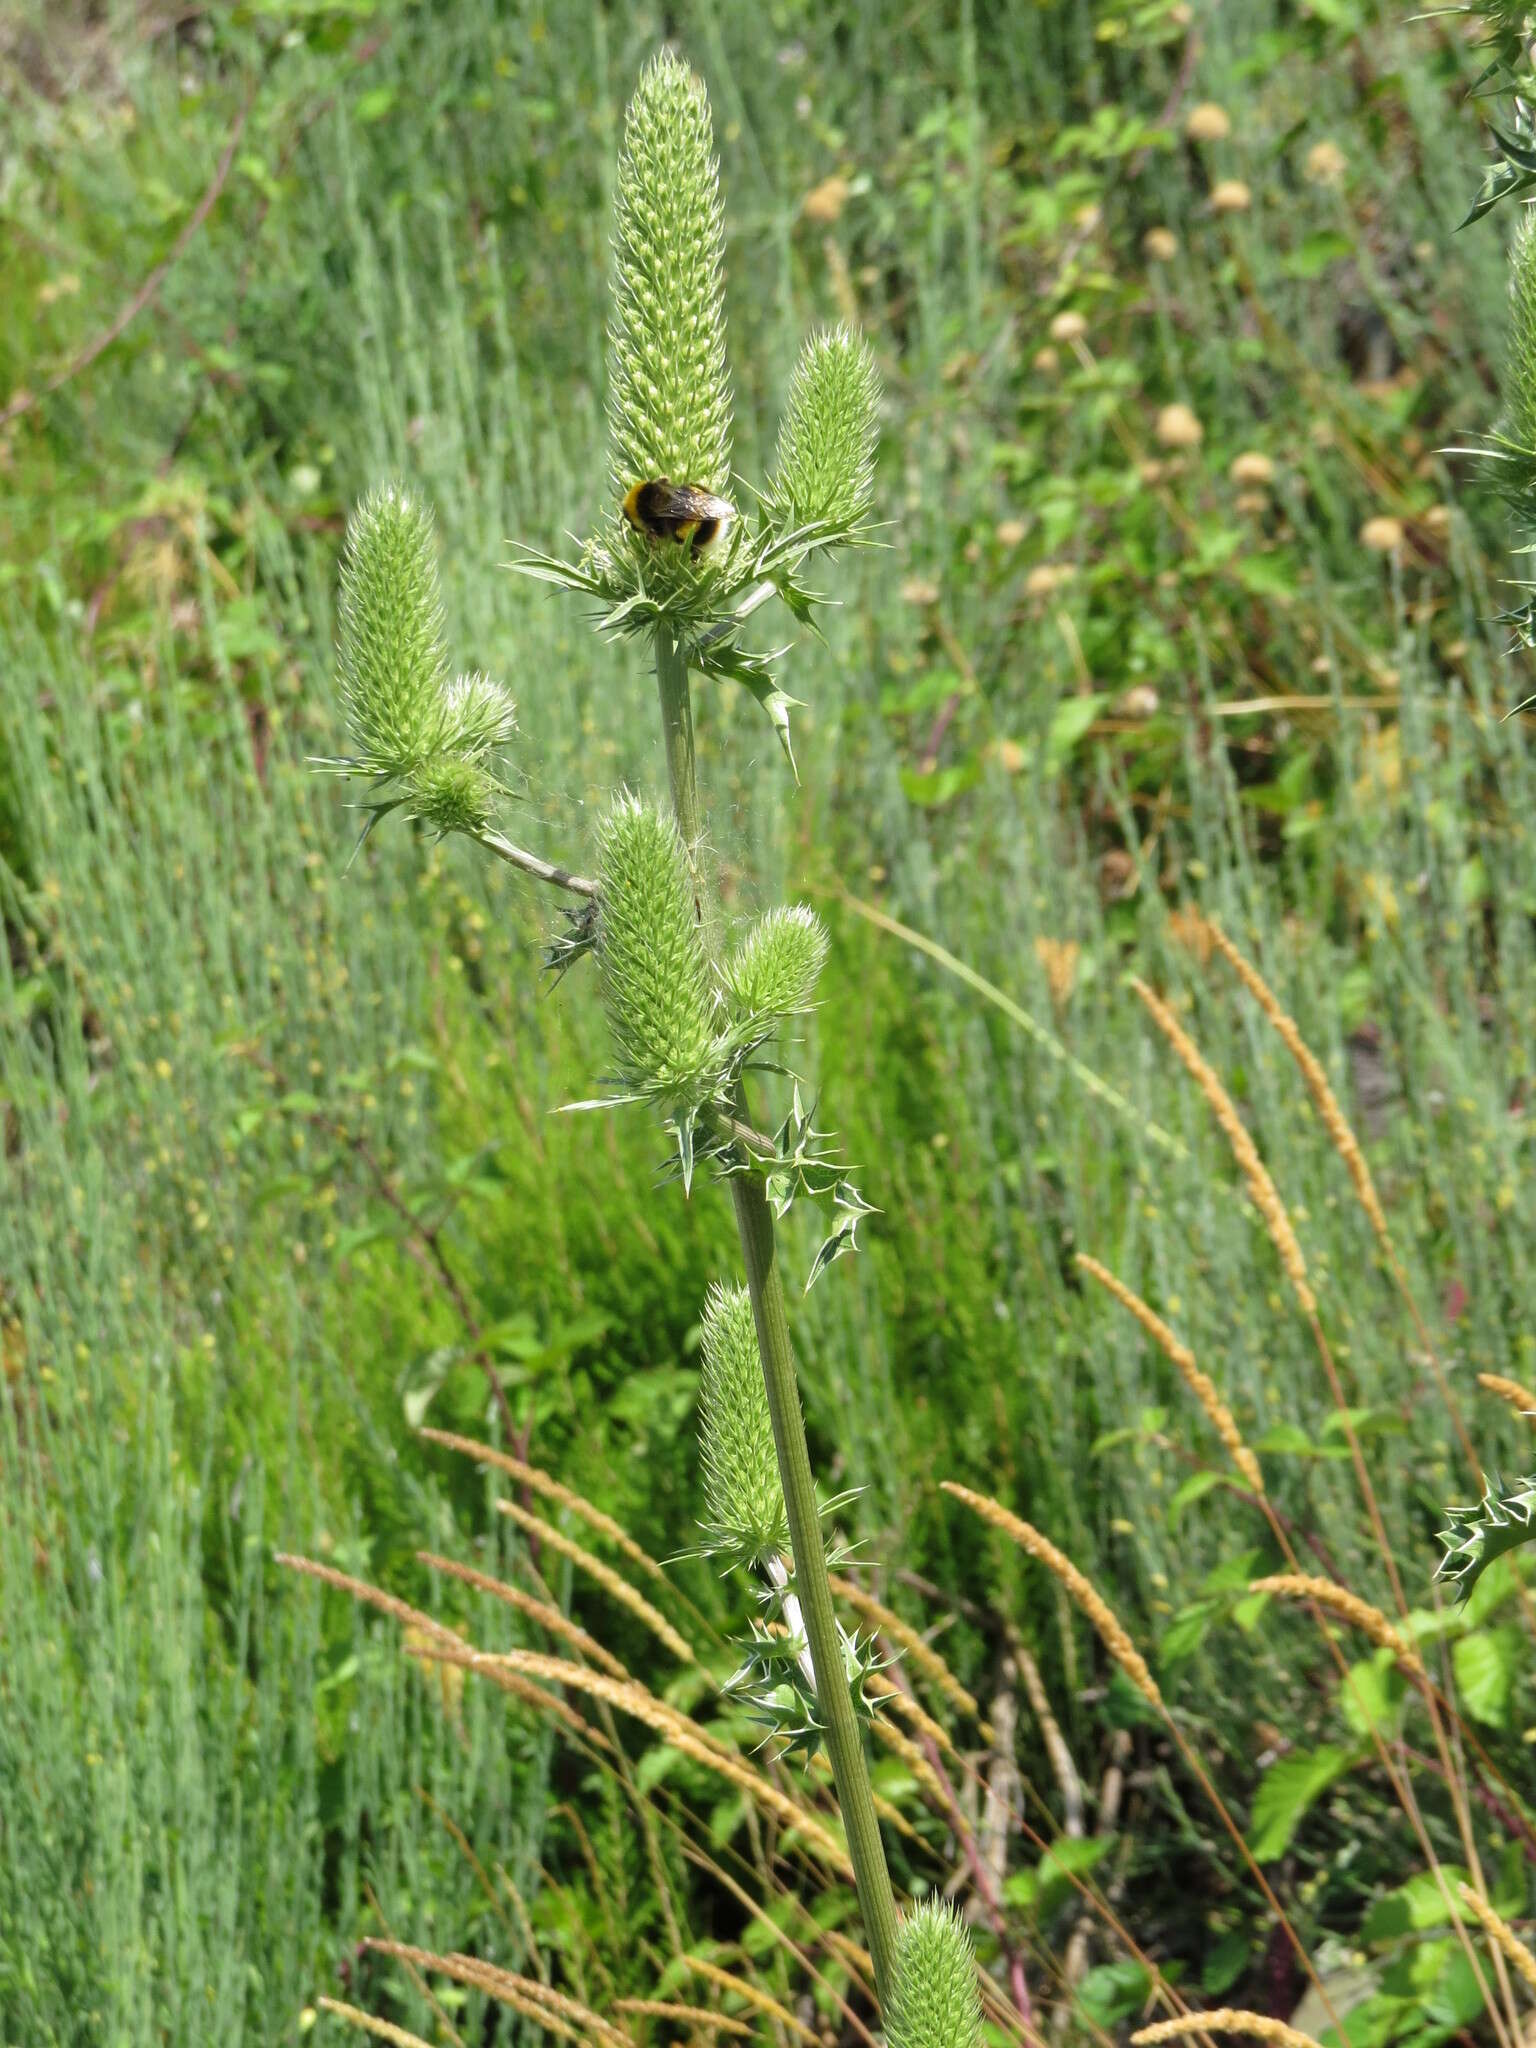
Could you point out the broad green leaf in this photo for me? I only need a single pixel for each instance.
(1287, 1792)
(1485, 1663)
(1415, 1906)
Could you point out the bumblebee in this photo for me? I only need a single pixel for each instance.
(680, 512)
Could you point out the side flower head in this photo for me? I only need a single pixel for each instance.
(743, 1494)
(824, 471)
(774, 970)
(655, 980)
(393, 649)
(934, 2001)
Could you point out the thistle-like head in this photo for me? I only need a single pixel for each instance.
(934, 2000)
(743, 1495)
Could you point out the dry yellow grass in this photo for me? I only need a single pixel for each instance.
(540, 1482)
(1348, 1606)
(754, 1996)
(1262, 1190)
(907, 1706)
(683, 1734)
(386, 1603)
(920, 1655)
(616, 1587)
(1093, 1604)
(1182, 1359)
(1227, 2021)
(1518, 1397)
(552, 2010)
(548, 1617)
(1345, 1143)
(382, 2030)
(1502, 1935)
(698, 2016)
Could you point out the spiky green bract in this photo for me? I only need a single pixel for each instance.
(669, 396)
(1503, 1520)
(824, 472)
(743, 1494)
(934, 2000)
(774, 970)
(655, 979)
(394, 660)
(478, 717)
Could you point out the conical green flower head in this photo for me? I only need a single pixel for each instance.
(655, 980)
(773, 972)
(825, 466)
(934, 2002)
(743, 1494)
(394, 661)
(1514, 470)
(669, 397)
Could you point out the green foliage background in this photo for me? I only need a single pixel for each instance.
(270, 1125)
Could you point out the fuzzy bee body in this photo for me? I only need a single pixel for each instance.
(681, 512)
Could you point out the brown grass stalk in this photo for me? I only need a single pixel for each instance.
(616, 1587)
(1262, 1190)
(538, 1481)
(1182, 1359)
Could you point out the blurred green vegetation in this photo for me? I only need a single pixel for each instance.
(281, 1177)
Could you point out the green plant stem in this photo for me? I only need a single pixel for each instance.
(754, 1221)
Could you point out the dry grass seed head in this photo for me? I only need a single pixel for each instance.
(1262, 1190)
(1501, 1934)
(921, 1655)
(754, 1996)
(618, 1588)
(1183, 1361)
(548, 1617)
(382, 2030)
(551, 2009)
(1344, 1141)
(1348, 1606)
(1518, 1397)
(698, 2016)
(1227, 2021)
(1111, 1632)
(684, 1735)
(538, 1481)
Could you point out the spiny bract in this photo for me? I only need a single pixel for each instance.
(743, 1494)
(824, 471)
(393, 656)
(774, 970)
(655, 980)
(934, 1999)
(669, 395)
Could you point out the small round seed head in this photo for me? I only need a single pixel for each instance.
(478, 717)
(935, 2002)
(825, 465)
(743, 1495)
(1208, 123)
(393, 657)
(655, 980)
(774, 971)
(452, 794)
